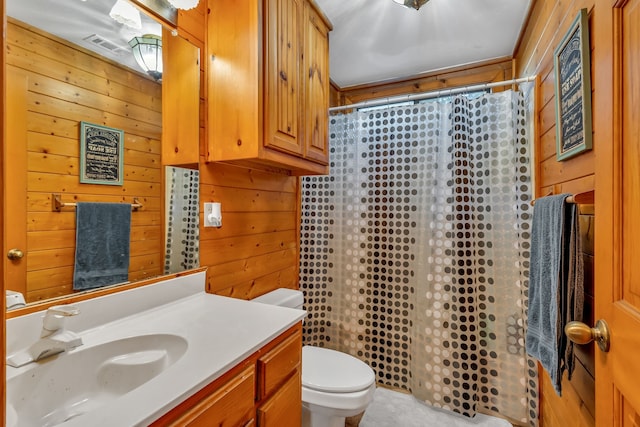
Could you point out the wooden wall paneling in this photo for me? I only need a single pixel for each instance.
(87, 70)
(565, 411)
(241, 270)
(222, 250)
(547, 23)
(255, 250)
(463, 76)
(554, 172)
(286, 278)
(67, 85)
(579, 185)
(191, 23)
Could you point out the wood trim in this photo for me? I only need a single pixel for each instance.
(3, 32)
(298, 232)
(15, 193)
(525, 25)
(606, 60)
(69, 299)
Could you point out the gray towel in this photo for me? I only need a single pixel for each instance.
(555, 285)
(102, 244)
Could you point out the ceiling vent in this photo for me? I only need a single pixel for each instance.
(102, 42)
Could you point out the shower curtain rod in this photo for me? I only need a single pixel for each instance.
(429, 95)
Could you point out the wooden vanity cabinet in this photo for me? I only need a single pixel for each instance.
(264, 390)
(229, 405)
(268, 84)
(279, 389)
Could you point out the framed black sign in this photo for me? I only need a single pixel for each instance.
(572, 62)
(101, 154)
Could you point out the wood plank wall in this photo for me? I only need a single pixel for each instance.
(493, 71)
(67, 84)
(256, 249)
(549, 20)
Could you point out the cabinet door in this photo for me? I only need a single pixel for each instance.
(276, 366)
(180, 101)
(284, 408)
(316, 96)
(231, 405)
(283, 53)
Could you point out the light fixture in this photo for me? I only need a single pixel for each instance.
(127, 14)
(184, 4)
(147, 50)
(416, 4)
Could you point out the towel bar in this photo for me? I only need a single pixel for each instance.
(57, 204)
(586, 198)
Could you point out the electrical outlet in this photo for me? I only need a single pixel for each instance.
(212, 215)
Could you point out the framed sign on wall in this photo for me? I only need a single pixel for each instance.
(101, 154)
(572, 66)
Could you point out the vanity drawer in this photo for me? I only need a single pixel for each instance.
(231, 405)
(276, 366)
(284, 408)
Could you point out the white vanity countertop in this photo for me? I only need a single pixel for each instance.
(221, 332)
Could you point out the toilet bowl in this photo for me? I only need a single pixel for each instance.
(335, 385)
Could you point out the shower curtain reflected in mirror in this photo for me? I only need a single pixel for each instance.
(414, 250)
(182, 219)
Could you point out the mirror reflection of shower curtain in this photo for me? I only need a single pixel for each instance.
(414, 251)
(182, 219)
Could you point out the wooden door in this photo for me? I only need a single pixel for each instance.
(15, 182)
(283, 53)
(617, 144)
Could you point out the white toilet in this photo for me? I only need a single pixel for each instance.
(335, 385)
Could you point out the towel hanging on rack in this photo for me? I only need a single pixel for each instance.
(102, 244)
(556, 288)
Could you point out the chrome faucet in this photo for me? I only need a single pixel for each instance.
(54, 338)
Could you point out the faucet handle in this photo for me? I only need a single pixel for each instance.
(54, 318)
(63, 310)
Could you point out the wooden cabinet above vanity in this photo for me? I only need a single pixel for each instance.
(180, 101)
(268, 84)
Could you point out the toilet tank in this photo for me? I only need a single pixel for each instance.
(282, 297)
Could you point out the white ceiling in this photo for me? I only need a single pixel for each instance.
(378, 40)
(371, 41)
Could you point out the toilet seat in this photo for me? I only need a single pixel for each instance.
(331, 371)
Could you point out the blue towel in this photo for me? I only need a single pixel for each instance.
(102, 244)
(555, 285)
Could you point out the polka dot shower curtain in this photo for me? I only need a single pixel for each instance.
(414, 250)
(182, 219)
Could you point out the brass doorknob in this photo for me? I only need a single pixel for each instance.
(15, 254)
(581, 333)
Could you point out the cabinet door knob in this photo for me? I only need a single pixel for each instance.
(15, 254)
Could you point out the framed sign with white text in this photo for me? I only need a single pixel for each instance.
(101, 154)
(572, 64)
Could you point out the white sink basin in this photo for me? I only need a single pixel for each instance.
(69, 385)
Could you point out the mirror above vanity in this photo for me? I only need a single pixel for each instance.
(74, 65)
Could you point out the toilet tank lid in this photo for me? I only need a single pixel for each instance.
(282, 297)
